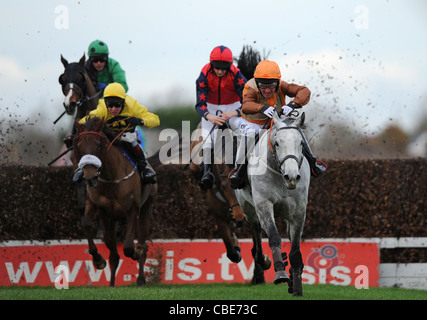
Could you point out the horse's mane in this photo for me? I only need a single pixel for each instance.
(289, 121)
(92, 125)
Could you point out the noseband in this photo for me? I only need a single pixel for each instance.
(74, 87)
(96, 164)
(289, 156)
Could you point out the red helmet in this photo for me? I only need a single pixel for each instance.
(221, 53)
(221, 57)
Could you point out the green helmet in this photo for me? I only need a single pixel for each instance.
(97, 48)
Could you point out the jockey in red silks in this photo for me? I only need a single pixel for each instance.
(219, 95)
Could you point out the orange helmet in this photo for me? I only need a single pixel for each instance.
(267, 69)
(268, 72)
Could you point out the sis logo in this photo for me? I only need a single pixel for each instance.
(326, 265)
(324, 258)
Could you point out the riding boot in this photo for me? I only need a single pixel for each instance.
(147, 173)
(316, 167)
(208, 179)
(236, 176)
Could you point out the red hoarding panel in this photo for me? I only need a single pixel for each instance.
(340, 263)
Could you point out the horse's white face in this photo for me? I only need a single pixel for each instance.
(72, 96)
(288, 147)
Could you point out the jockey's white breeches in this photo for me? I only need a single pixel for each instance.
(130, 137)
(233, 123)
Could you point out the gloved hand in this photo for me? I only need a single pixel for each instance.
(286, 110)
(268, 111)
(101, 86)
(134, 121)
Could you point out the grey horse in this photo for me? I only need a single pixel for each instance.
(279, 179)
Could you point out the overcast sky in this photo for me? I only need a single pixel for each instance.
(362, 60)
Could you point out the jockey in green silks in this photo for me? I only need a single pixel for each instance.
(102, 69)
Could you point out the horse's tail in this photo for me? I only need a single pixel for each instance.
(248, 60)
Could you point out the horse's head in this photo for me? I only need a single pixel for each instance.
(73, 82)
(287, 143)
(89, 147)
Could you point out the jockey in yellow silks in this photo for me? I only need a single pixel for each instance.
(123, 113)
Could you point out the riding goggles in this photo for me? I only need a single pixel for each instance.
(221, 65)
(267, 86)
(98, 59)
(114, 102)
(267, 83)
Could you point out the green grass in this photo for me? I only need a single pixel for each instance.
(235, 291)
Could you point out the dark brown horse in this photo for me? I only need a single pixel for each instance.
(224, 207)
(114, 192)
(79, 93)
(221, 198)
(78, 89)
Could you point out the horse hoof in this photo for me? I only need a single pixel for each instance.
(297, 285)
(140, 282)
(258, 279)
(129, 252)
(267, 263)
(281, 277)
(297, 294)
(100, 264)
(235, 256)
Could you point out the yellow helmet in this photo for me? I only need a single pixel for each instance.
(267, 69)
(115, 90)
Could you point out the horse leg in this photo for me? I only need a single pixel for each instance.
(274, 241)
(262, 261)
(229, 238)
(88, 227)
(111, 243)
(295, 258)
(129, 247)
(143, 232)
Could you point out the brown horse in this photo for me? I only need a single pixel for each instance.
(114, 191)
(224, 207)
(78, 89)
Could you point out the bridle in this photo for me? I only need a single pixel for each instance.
(289, 156)
(74, 87)
(88, 158)
(78, 87)
(99, 167)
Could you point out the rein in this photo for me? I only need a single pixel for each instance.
(121, 132)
